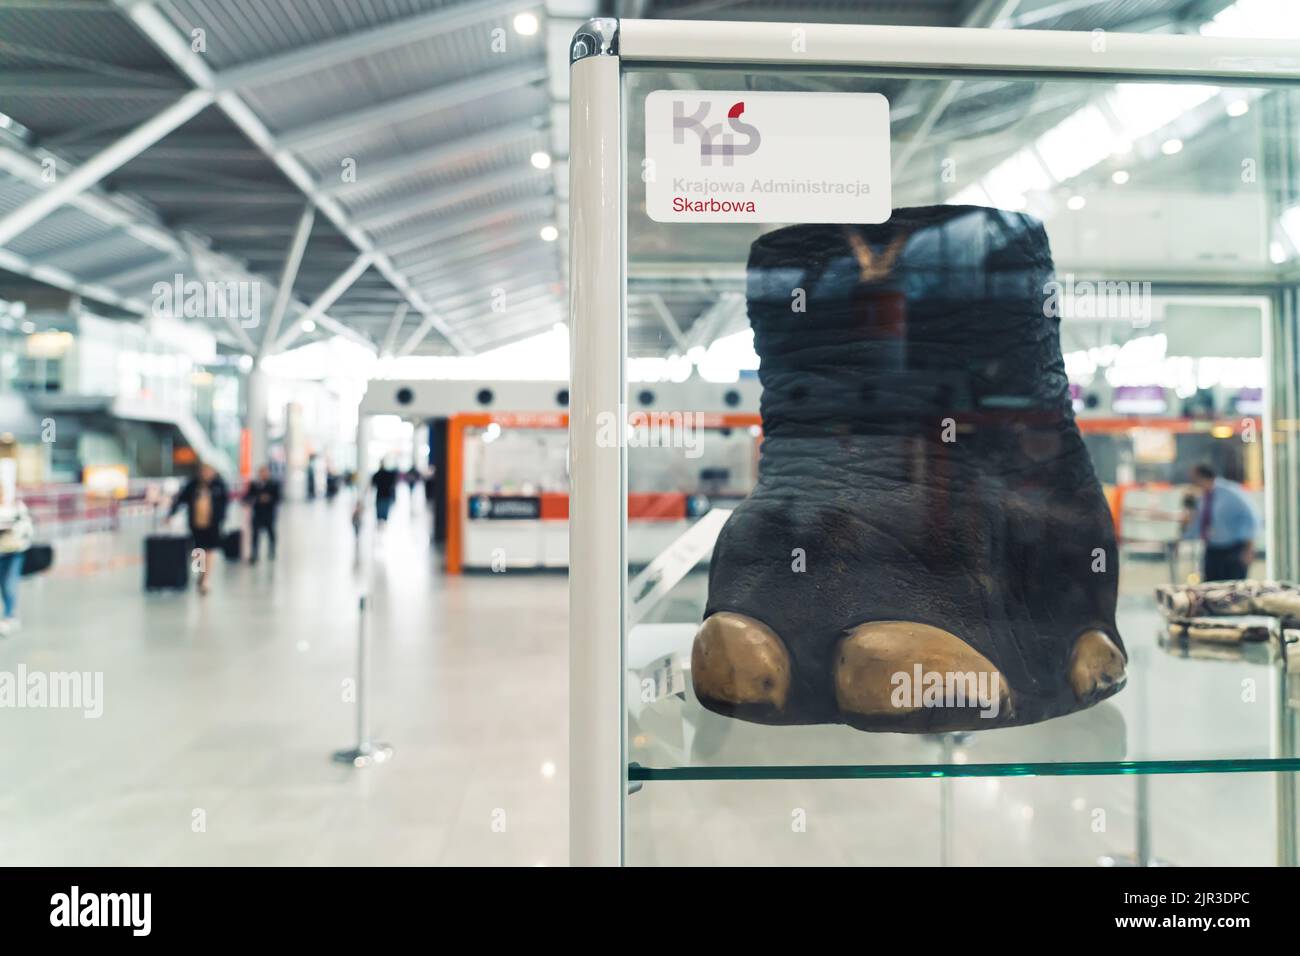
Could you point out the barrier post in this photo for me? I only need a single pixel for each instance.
(366, 752)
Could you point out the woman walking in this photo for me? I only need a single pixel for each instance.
(15, 540)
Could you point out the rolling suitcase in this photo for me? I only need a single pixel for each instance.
(166, 562)
(38, 558)
(232, 544)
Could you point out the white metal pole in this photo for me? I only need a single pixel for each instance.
(958, 49)
(597, 474)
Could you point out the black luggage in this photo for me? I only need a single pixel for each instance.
(37, 559)
(167, 562)
(232, 544)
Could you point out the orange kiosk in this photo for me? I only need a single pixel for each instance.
(504, 463)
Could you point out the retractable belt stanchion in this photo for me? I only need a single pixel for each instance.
(366, 751)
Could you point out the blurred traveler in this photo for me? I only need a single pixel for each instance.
(1225, 521)
(15, 539)
(430, 485)
(311, 477)
(205, 498)
(263, 497)
(385, 484)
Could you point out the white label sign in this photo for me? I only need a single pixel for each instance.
(766, 157)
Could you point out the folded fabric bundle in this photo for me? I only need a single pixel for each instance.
(1213, 599)
(1218, 630)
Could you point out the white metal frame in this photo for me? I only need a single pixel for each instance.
(598, 281)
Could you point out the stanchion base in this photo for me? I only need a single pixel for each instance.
(365, 756)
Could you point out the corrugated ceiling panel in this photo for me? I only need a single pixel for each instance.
(400, 71)
(430, 130)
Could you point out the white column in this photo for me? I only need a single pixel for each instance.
(598, 473)
(255, 416)
(363, 456)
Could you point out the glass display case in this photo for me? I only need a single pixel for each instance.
(1065, 271)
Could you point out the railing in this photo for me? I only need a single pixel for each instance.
(68, 509)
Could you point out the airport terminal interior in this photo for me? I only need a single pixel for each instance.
(292, 340)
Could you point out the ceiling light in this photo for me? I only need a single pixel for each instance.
(549, 233)
(525, 24)
(1171, 146)
(28, 328)
(1076, 202)
(1238, 108)
(1119, 177)
(540, 159)
(308, 325)
(1276, 254)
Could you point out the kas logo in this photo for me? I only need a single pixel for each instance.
(714, 140)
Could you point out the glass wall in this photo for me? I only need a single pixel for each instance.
(979, 428)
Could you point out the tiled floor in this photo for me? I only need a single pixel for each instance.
(221, 713)
(226, 709)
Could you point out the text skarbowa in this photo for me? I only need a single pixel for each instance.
(920, 688)
(56, 690)
(102, 909)
(651, 430)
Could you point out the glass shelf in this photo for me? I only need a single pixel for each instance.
(1222, 709)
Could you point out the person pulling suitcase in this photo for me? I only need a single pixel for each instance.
(205, 499)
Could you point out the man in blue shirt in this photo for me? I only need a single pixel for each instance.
(1226, 522)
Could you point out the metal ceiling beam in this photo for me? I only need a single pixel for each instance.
(205, 196)
(458, 252)
(107, 242)
(64, 83)
(60, 279)
(464, 225)
(488, 280)
(354, 46)
(411, 207)
(531, 303)
(289, 275)
(199, 256)
(101, 164)
(1051, 11)
(115, 211)
(120, 277)
(409, 107)
(419, 335)
(372, 174)
(186, 148)
(175, 47)
(533, 326)
(984, 13)
(395, 326)
(323, 301)
(336, 288)
(524, 258)
(329, 325)
(538, 282)
(670, 322)
(422, 331)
